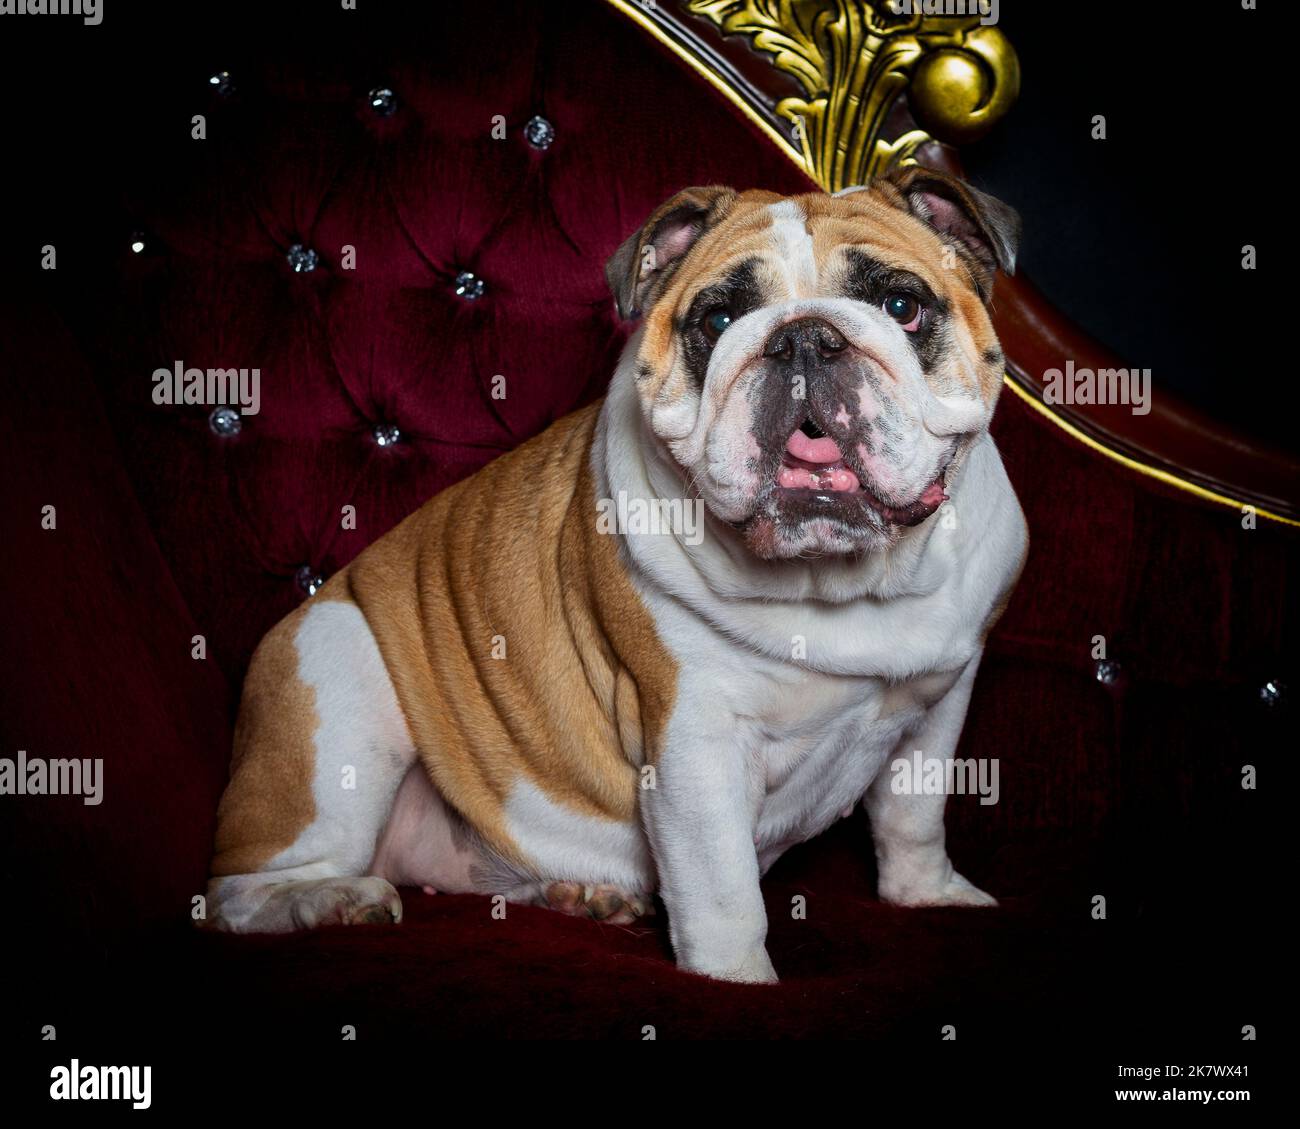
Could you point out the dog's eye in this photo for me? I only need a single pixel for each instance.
(905, 310)
(715, 322)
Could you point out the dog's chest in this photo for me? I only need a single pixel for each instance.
(817, 741)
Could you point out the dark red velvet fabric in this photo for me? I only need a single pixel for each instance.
(167, 531)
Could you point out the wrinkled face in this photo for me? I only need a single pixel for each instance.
(817, 365)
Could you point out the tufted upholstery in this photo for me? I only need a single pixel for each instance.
(168, 530)
(423, 195)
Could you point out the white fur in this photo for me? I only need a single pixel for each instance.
(793, 688)
(362, 729)
(571, 846)
(794, 247)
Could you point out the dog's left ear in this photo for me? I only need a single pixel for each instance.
(984, 229)
(646, 259)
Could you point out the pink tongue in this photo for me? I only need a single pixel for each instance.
(823, 469)
(821, 450)
(934, 494)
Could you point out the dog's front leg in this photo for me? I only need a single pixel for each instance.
(700, 818)
(907, 827)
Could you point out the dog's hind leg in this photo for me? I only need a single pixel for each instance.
(321, 747)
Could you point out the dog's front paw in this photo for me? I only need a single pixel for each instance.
(955, 891)
(752, 968)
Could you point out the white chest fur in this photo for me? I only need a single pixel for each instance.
(818, 741)
(810, 741)
(799, 681)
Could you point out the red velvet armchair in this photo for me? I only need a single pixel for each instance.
(353, 227)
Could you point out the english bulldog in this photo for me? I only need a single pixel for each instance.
(511, 694)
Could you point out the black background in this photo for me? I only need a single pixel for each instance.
(1138, 238)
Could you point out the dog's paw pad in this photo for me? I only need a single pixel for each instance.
(603, 903)
(614, 906)
(372, 915)
(565, 897)
(345, 901)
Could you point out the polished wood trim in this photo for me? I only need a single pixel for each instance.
(1175, 442)
(739, 74)
(1175, 439)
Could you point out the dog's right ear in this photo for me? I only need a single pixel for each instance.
(644, 262)
(984, 230)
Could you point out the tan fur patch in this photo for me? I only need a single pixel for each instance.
(510, 562)
(269, 801)
(742, 235)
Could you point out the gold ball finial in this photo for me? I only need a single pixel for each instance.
(959, 92)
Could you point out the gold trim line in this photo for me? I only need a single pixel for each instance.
(633, 11)
(1132, 464)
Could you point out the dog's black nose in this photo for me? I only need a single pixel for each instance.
(805, 338)
(811, 430)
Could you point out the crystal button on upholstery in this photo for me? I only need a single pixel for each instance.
(225, 422)
(539, 133)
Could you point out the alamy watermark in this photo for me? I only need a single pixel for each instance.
(240, 387)
(75, 1082)
(1099, 386)
(90, 11)
(987, 10)
(36, 776)
(920, 775)
(676, 517)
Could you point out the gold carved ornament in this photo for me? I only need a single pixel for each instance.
(855, 59)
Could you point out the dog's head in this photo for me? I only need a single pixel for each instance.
(818, 364)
